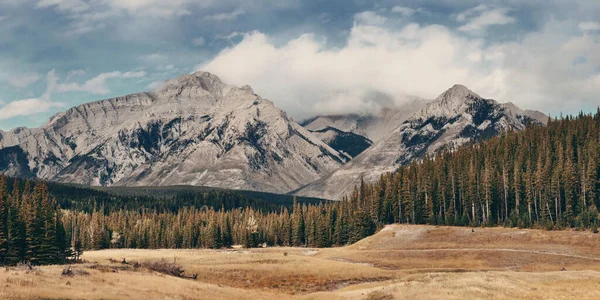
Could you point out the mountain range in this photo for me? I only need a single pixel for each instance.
(197, 130)
(456, 117)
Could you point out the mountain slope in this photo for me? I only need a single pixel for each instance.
(373, 126)
(195, 130)
(348, 143)
(454, 118)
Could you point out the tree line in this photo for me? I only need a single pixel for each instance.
(163, 199)
(322, 225)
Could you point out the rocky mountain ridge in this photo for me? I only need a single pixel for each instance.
(454, 118)
(194, 130)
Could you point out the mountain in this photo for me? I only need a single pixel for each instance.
(195, 130)
(372, 125)
(456, 117)
(348, 143)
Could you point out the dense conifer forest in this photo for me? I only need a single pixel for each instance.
(544, 176)
(541, 177)
(31, 226)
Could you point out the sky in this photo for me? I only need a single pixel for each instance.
(308, 57)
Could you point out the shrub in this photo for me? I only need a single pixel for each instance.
(165, 267)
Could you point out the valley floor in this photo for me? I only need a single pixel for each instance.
(399, 262)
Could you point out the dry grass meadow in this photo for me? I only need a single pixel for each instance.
(399, 262)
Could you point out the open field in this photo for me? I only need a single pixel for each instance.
(399, 262)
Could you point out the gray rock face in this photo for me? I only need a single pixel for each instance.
(373, 126)
(347, 143)
(454, 118)
(194, 130)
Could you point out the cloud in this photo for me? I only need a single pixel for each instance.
(462, 17)
(230, 36)
(32, 106)
(403, 10)
(26, 107)
(306, 77)
(198, 41)
(589, 26)
(369, 18)
(97, 85)
(75, 6)
(74, 73)
(168, 67)
(152, 58)
(85, 16)
(23, 81)
(226, 16)
(159, 8)
(487, 17)
(155, 8)
(156, 85)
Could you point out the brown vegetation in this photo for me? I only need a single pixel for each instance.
(400, 262)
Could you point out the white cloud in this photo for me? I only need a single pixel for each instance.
(487, 17)
(230, 36)
(75, 6)
(86, 16)
(74, 73)
(159, 8)
(32, 106)
(226, 16)
(369, 18)
(462, 17)
(589, 26)
(26, 107)
(156, 85)
(168, 67)
(23, 81)
(304, 77)
(403, 10)
(97, 85)
(199, 41)
(155, 8)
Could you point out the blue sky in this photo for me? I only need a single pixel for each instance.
(308, 57)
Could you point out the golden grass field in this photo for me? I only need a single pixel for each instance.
(399, 262)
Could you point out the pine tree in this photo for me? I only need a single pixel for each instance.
(4, 230)
(298, 233)
(362, 226)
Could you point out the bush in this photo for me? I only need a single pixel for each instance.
(165, 267)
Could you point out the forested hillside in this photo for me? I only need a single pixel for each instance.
(544, 176)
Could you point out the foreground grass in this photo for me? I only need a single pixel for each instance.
(400, 262)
